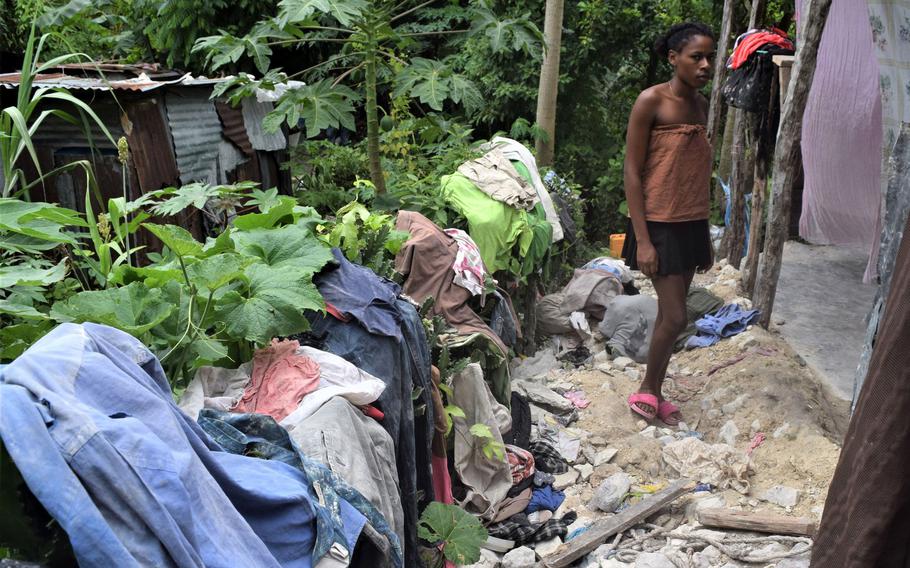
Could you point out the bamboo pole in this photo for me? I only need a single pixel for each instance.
(787, 154)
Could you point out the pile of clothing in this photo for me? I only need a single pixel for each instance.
(510, 214)
(751, 67)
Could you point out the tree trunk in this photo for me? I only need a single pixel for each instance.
(725, 163)
(720, 68)
(548, 87)
(376, 174)
(756, 227)
(743, 165)
(787, 154)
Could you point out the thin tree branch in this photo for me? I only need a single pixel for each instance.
(444, 32)
(326, 62)
(323, 39)
(346, 73)
(393, 56)
(412, 10)
(327, 28)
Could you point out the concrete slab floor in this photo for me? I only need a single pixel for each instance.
(823, 303)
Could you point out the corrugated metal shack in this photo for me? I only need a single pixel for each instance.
(176, 135)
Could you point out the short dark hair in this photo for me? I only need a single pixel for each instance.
(679, 35)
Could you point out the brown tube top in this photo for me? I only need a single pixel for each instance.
(676, 178)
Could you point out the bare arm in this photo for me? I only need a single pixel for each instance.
(638, 136)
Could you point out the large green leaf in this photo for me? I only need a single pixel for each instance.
(22, 275)
(134, 309)
(281, 208)
(20, 310)
(15, 339)
(178, 239)
(425, 79)
(320, 105)
(216, 271)
(194, 194)
(289, 246)
(34, 227)
(207, 351)
(153, 276)
(274, 305)
(345, 11)
(461, 532)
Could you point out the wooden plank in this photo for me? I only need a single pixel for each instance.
(605, 528)
(787, 155)
(759, 522)
(720, 68)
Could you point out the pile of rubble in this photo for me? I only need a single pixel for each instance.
(759, 440)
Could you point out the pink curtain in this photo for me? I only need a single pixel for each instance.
(842, 133)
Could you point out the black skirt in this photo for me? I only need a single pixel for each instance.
(681, 247)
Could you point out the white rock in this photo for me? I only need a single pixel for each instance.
(566, 479)
(683, 427)
(547, 547)
(488, 559)
(664, 440)
(611, 493)
(604, 456)
(601, 357)
(585, 470)
(622, 362)
(781, 431)
(728, 433)
(732, 407)
(745, 340)
(521, 557)
(649, 432)
(665, 431)
(707, 558)
(729, 271)
(781, 495)
(641, 424)
(755, 428)
(633, 374)
(713, 414)
(703, 500)
(653, 560)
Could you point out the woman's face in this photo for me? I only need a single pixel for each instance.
(694, 62)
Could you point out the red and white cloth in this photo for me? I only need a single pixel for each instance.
(470, 272)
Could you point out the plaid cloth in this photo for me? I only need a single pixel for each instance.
(519, 529)
(547, 458)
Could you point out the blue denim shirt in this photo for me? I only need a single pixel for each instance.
(87, 416)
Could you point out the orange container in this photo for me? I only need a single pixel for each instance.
(616, 243)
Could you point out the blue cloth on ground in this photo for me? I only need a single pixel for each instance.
(87, 416)
(360, 293)
(545, 499)
(728, 321)
(262, 436)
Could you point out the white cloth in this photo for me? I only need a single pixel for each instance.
(515, 150)
(214, 387)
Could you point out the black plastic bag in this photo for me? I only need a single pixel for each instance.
(748, 86)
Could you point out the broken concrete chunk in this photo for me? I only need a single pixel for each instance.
(649, 432)
(633, 374)
(605, 456)
(653, 560)
(537, 366)
(585, 470)
(781, 495)
(622, 362)
(488, 559)
(521, 557)
(547, 547)
(732, 407)
(566, 479)
(611, 493)
(729, 433)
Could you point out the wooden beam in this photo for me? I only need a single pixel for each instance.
(759, 189)
(758, 522)
(743, 165)
(787, 155)
(717, 105)
(603, 529)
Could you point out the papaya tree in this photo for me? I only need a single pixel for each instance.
(375, 47)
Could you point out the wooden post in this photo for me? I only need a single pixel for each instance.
(743, 165)
(716, 107)
(529, 333)
(787, 154)
(759, 188)
(757, 522)
(548, 86)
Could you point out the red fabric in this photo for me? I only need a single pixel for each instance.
(752, 42)
(281, 379)
(442, 483)
(521, 463)
(372, 412)
(336, 313)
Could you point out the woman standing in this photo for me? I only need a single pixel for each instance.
(667, 175)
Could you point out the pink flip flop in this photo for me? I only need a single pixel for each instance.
(646, 398)
(665, 410)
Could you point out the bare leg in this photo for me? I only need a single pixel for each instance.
(671, 321)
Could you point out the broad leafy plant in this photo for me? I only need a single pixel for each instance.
(20, 122)
(376, 48)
